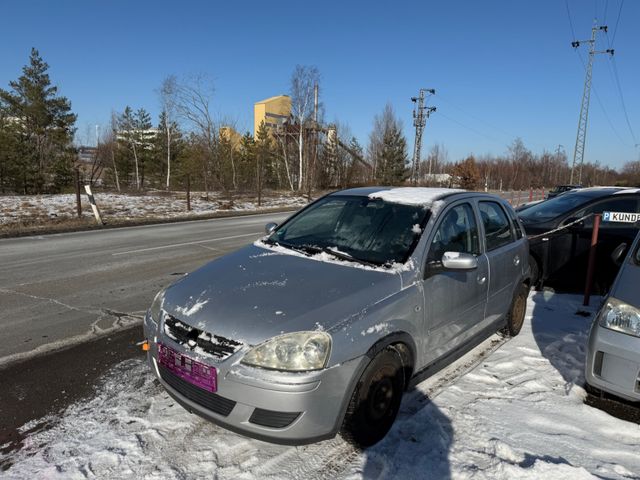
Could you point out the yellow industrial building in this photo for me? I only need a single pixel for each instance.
(272, 111)
(231, 135)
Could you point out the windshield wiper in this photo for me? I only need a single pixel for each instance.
(305, 248)
(348, 257)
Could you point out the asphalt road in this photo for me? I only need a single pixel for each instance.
(62, 289)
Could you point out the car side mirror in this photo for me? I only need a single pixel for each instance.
(451, 261)
(270, 227)
(617, 256)
(459, 261)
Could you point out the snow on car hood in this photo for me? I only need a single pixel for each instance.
(257, 293)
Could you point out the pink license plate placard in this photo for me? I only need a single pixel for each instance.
(196, 373)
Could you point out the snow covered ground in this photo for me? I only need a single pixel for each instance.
(24, 208)
(507, 410)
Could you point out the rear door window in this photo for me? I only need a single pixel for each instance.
(497, 228)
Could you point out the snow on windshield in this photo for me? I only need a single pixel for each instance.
(413, 195)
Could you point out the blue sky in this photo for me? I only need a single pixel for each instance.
(501, 69)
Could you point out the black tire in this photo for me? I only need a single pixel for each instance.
(535, 272)
(376, 400)
(515, 317)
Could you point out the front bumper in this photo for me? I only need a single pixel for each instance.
(613, 362)
(278, 407)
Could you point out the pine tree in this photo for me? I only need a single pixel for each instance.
(264, 155)
(43, 128)
(393, 157)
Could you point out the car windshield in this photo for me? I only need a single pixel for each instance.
(636, 255)
(552, 208)
(355, 228)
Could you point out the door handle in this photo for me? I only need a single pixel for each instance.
(516, 260)
(481, 280)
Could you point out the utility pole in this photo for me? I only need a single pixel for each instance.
(557, 167)
(420, 115)
(578, 152)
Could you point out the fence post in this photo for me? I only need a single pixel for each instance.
(78, 199)
(188, 192)
(592, 259)
(94, 207)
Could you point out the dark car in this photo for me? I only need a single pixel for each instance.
(558, 189)
(561, 257)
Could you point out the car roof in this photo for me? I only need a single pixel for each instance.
(408, 195)
(597, 192)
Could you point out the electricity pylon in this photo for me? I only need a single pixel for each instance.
(420, 115)
(581, 137)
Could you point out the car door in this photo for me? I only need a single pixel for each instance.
(611, 234)
(454, 300)
(504, 255)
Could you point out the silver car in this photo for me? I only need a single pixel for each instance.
(613, 351)
(320, 326)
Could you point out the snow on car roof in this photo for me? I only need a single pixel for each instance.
(413, 195)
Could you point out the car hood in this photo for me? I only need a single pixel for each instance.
(257, 293)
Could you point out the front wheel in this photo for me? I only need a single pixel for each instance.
(376, 400)
(516, 314)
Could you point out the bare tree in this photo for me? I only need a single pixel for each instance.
(303, 80)
(168, 92)
(112, 141)
(193, 104)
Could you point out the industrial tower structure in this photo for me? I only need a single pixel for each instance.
(578, 152)
(420, 114)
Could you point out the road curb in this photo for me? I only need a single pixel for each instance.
(115, 223)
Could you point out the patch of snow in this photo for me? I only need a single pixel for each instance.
(20, 208)
(511, 410)
(451, 255)
(413, 195)
(192, 306)
(328, 258)
(380, 327)
(416, 229)
(279, 312)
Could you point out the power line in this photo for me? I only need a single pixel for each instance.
(573, 32)
(510, 135)
(604, 110)
(604, 15)
(622, 102)
(471, 129)
(615, 29)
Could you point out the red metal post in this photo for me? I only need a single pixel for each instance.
(592, 259)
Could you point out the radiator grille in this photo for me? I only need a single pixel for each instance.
(191, 337)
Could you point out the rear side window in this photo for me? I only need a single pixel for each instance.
(623, 204)
(497, 229)
(516, 223)
(457, 232)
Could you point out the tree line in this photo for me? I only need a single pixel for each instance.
(189, 146)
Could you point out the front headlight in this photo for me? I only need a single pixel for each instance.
(621, 317)
(294, 352)
(155, 311)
